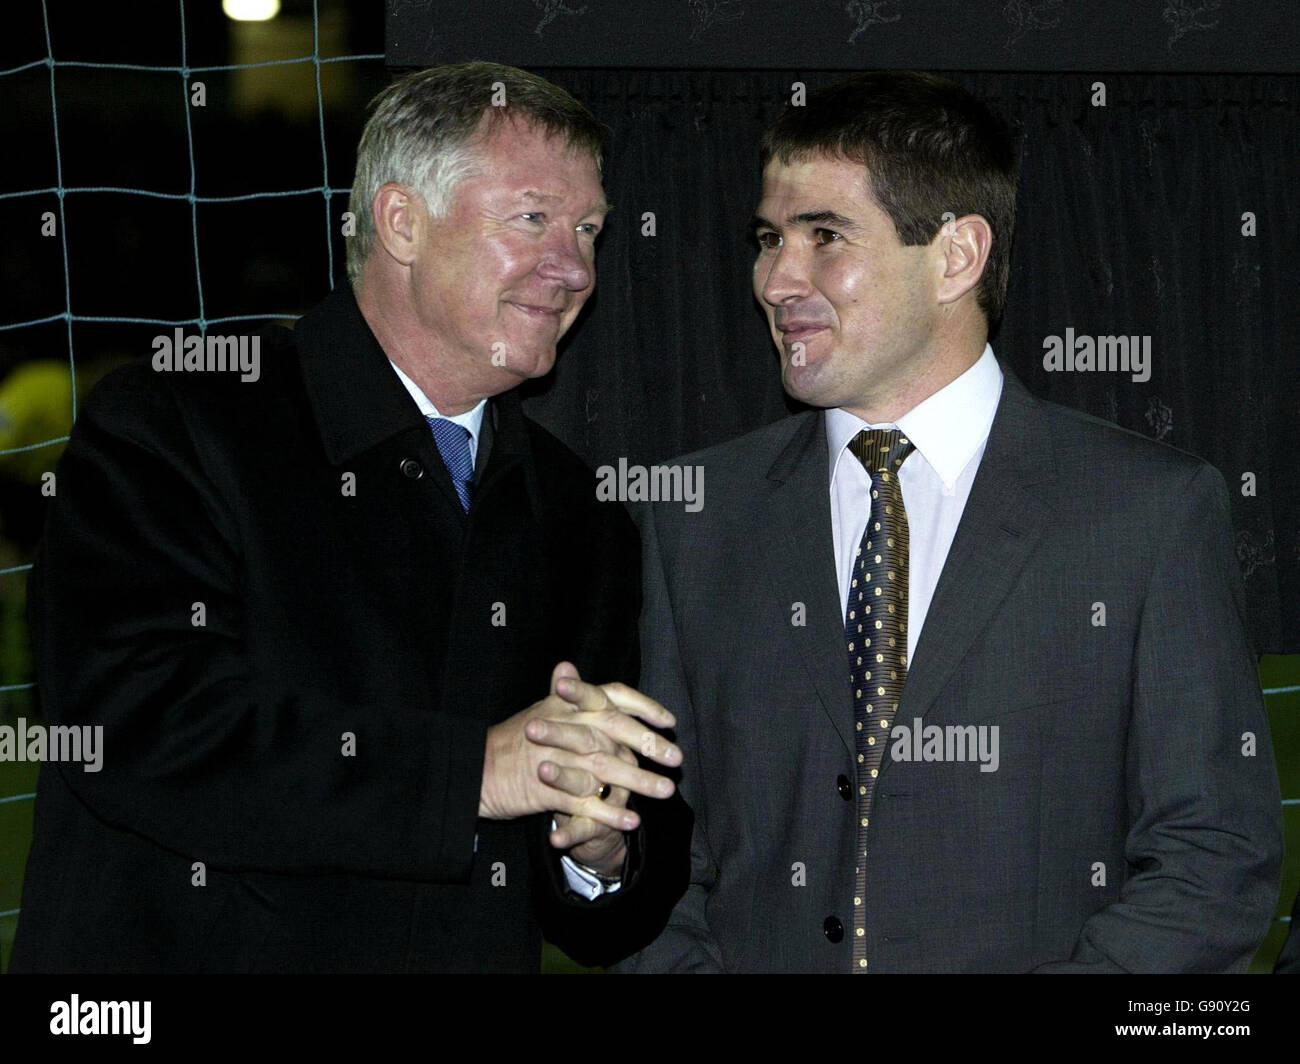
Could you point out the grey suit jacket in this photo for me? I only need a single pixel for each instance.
(1133, 822)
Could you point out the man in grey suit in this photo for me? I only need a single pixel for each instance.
(961, 676)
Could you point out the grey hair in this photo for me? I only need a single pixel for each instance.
(422, 134)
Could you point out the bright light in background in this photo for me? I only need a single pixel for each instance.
(290, 90)
(250, 10)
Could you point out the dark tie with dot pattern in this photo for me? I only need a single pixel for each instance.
(875, 626)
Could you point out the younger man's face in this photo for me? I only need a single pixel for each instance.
(850, 308)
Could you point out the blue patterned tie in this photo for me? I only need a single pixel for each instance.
(875, 627)
(453, 445)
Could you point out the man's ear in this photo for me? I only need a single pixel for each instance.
(963, 245)
(399, 214)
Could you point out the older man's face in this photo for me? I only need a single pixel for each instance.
(850, 308)
(504, 274)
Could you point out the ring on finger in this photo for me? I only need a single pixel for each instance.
(603, 793)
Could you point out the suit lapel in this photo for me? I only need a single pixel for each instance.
(999, 528)
(800, 562)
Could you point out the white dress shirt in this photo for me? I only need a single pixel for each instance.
(471, 420)
(949, 429)
(580, 880)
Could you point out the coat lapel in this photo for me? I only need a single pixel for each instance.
(999, 528)
(800, 562)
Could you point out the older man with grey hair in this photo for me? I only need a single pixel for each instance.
(337, 622)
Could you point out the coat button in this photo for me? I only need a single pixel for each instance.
(833, 928)
(411, 468)
(846, 789)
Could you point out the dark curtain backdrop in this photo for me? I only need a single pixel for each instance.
(1129, 223)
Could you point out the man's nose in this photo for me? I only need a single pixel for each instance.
(781, 277)
(564, 262)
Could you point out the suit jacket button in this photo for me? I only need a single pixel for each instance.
(833, 928)
(846, 789)
(411, 468)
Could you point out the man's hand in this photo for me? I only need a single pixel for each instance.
(591, 843)
(588, 841)
(556, 755)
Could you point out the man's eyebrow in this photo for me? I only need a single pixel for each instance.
(539, 197)
(827, 217)
(820, 217)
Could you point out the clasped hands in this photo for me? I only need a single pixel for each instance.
(559, 754)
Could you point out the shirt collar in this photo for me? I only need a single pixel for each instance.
(947, 428)
(471, 420)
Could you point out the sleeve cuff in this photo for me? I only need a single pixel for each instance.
(585, 883)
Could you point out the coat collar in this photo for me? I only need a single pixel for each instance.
(360, 402)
